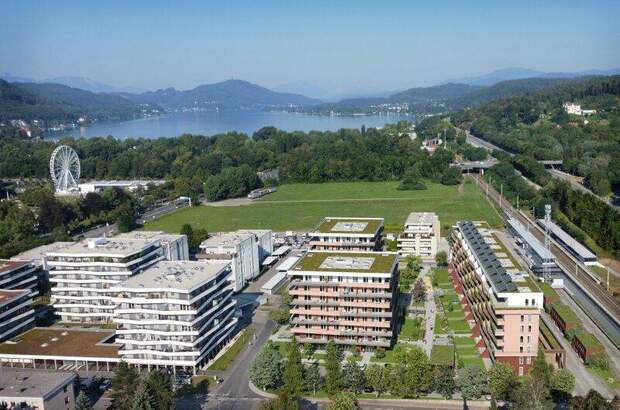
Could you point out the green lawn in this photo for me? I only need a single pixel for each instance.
(442, 355)
(413, 329)
(467, 352)
(302, 206)
(227, 358)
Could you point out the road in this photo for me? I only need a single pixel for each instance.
(556, 173)
(480, 143)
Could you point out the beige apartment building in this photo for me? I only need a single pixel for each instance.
(420, 235)
(347, 297)
(348, 234)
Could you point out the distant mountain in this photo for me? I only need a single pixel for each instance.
(87, 84)
(231, 94)
(304, 88)
(10, 78)
(59, 103)
(517, 73)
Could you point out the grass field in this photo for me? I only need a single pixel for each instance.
(229, 356)
(301, 207)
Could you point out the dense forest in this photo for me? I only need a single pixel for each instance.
(536, 125)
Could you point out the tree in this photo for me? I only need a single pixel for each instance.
(411, 375)
(378, 377)
(280, 315)
(353, 375)
(541, 370)
(472, 382)
(309, 349)
(441, 258)
(142, 399)
(332, 368)
(265, 370)
(293, 370)
(312, 378)
(124, 385)
(159, 388)
(444, 383)
(419, 291)
(125, 216)
(502, 381)
(452, 176)
(592, 401)
(284, 401)
(563, 381)
(82, 402)
(532, 394)
(343, 401)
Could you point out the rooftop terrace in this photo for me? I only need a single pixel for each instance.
(116, 247)
(368, 262)
(421, 218)
(181, 275)
(351, 226)
(63, 342)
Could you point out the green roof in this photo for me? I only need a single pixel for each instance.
(588, 340)
(442, 355)
(382, 262)
(548, 336)
(566, 313)
(528, 283)
(547, 290)
(372, 225)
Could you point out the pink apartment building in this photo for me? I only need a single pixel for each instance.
(505, 311)
(348, 234)
(347, 297)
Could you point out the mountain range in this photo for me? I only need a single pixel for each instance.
(517, 73)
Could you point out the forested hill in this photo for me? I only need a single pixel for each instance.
(231, 94)
(444, 98)
(59, 103)
(537, 125)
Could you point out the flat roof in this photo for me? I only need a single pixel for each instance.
(62, 342)
(573, 243)
(531, 240)
(225, 239)
(275, 281)
(288, 263)
(269, 260)
(123, 182)
(354, 262)
(350, 226)
(421, 218)
(151, 236)
(7, 296)
(257, 232)
(181, 275)
(281, 250)
(8, 266)
(120, 247)
(38, 253)
(30, 383)
(494, 271)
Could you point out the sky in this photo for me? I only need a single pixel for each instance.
(339, 46)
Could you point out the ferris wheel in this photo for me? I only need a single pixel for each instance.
(65, 168)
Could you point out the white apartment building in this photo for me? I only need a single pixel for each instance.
(175, 314)
(19, 275)
(347, 234)
(420, 235)
(175, 246)
(575, 109)
(241, 249)
(16, 313)
(82, 273)
(264, 239)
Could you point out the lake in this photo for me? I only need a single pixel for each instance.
(210, 123)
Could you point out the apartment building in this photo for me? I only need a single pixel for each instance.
(347, 297)
(174, 246)
(40, 390)
(420, 235)
(175, 314)
(16, 313)
(20, 275)
(264, 241)
(82, 273)
(506, 314)
(240, 248)
(348, 234)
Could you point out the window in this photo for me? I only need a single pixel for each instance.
(522, 318)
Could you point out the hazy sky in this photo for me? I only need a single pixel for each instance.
(337, 45)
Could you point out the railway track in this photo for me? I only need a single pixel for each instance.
(571, 267)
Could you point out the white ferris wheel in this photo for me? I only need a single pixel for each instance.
(65, 168)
